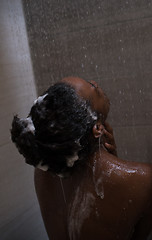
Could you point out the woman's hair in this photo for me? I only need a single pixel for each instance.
(56, 134)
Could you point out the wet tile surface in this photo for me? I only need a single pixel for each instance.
(19, 211)
(108, 41)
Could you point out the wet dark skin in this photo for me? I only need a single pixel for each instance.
(109, 199)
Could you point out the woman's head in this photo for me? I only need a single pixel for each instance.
(58, 131)
(90, 91)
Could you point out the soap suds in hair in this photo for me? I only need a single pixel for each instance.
(92, 114)
(30, 126)
(40, 99)
(71, 160)
(48, 126)
(42, 167)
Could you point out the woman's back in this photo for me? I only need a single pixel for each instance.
(105, 197)
(102, 201)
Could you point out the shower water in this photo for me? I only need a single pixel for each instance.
(98, 181)
(63, 190)
(80, 210)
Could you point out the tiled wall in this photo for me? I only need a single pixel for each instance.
(108, 41)
(19, 211)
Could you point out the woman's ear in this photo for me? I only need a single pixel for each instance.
(98, 130)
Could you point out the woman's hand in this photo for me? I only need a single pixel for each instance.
(109, 141)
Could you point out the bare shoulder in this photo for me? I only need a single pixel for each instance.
(140, 176)
(143, 191)
(134, 181)
(134, 174)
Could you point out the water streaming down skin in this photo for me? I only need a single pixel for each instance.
(98, 183)
(83, 203)
(116, 169)
(80, 210)
(63, 190)
(40, 99)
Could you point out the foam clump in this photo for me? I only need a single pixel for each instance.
(30, 126)
(71, 160)
(40, 99)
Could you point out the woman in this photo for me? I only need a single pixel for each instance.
(84, 191)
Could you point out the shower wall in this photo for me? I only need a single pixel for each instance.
(19, 211)
(109, 42)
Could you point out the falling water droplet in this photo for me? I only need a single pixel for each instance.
(62, 190)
